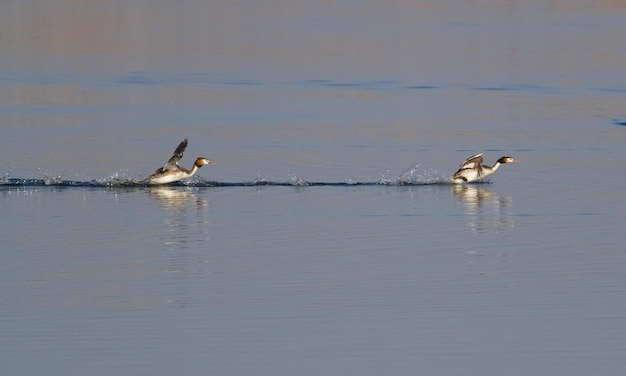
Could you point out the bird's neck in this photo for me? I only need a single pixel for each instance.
(193, 169)
(494, 167)
(189, 173)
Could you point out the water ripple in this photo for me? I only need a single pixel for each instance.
(293, 182)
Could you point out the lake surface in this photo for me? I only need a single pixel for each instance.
(325, 239)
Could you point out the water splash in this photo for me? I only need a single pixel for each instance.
(417, 174)
(7, 175)
(119, 178)
(52, 180)
(202, 183)
(298, 181)
(260, 179)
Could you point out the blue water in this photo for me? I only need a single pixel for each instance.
(326, 238)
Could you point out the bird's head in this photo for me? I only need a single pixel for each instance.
(507, 160)
(202, 161)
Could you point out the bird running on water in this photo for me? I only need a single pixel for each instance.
(473, 169)
(172, 172)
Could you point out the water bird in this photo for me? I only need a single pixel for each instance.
(473, 169)
(172, 172)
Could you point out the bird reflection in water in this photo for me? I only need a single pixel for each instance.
(179, 202)
(484, 209)
(185, 234)
(176, 200)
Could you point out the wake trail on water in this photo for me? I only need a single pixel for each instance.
(416, 175)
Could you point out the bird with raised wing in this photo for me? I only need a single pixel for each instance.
(473, 169)
(172, 172)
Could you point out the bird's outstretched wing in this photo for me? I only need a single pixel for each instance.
(475, 161)
(172, 164)
(472, 166)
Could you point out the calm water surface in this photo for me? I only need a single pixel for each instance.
(299, 251)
